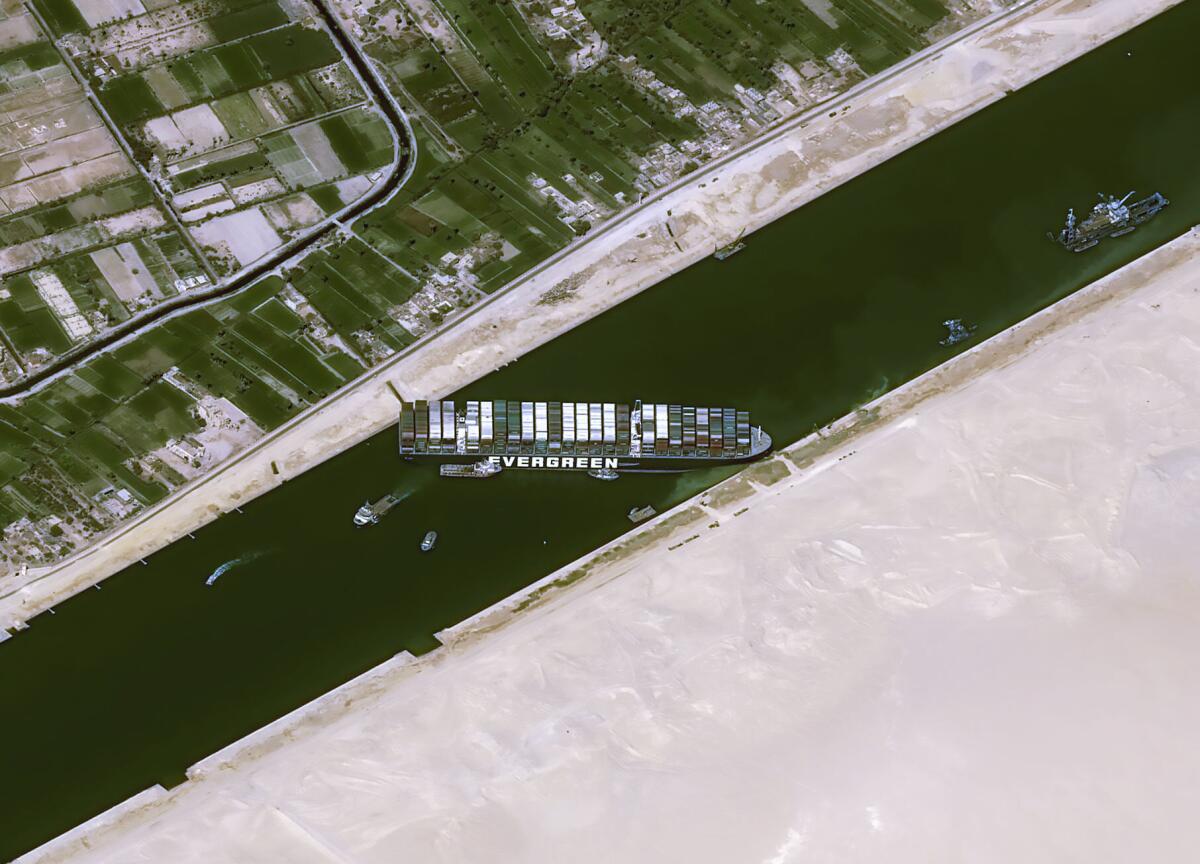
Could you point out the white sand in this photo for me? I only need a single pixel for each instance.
(782, 171)
(968, 633)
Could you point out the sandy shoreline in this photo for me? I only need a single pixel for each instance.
(962, 618)
(785, 169)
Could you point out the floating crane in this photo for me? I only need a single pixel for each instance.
(1110, 217)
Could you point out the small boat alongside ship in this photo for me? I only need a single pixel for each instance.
(482, 468)
(371, 512)
(1109, 218)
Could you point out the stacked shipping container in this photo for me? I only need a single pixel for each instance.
(506, 427)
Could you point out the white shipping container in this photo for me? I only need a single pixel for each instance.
(473, 423)
(610, 422)
(581, 421)
(435, 421)
(486, 420)
(596, 421)
(526, 421)
(568, 422)
(661, 422)
(541, 422)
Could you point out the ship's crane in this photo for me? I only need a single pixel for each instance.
(1067, 235)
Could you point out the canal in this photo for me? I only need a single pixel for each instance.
(126, 686)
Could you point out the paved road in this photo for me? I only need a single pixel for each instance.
(398, 174)
(367, 74)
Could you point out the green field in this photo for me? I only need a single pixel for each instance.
(493, 108)
(224, 70)
(62, 15)
(253, 18)
(360, 139)
(34, 57)
(121, 196)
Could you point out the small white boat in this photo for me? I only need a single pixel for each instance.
(604, 473)
(427, 544)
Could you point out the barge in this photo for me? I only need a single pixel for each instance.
(600, 437)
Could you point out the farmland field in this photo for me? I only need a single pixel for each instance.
(534, 123)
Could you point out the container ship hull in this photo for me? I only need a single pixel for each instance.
(579, 436)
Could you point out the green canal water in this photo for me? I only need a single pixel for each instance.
(126, 686)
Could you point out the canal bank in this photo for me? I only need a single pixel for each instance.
(999, 538)
(127, 686)
(788, 167)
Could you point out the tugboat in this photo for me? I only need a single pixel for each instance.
(1109, 218)
(370, 514)
(959, 332)
(429, 541)
(604, 474)
(482, 468)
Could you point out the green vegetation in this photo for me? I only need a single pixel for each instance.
(129, 98)
(705, 48)
(515, 153)
(360, 139)
(62, 15)
(224, 70)
(247, 21)
(33, 57)
(327, 197)
(128, 194)
(117, 407)
(27, 321)
(353, 288)
(227, 169)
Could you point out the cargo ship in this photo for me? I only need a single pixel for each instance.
(579, 436)
(1109, 218)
